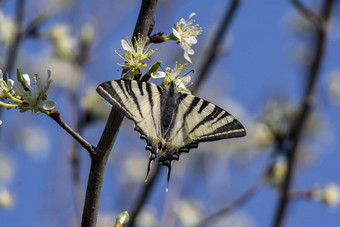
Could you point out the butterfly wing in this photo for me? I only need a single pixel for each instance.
(197, 120)
(204, 121)
(201, 121)
(140, 102)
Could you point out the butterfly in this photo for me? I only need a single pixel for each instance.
(169, 121)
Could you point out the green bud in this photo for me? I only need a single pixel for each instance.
(21, 79)
(123, 218)
(154, 67)
(20, 76)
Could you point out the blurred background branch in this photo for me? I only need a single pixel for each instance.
(297, 128)
(215, 45)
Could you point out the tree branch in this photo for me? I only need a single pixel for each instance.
(234, 204)
(14, 46)
(56, 117)
(144, 195)
(98, 161)
(296, 130)
(309, 15)
(215, 45)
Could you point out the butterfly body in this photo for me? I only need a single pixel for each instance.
(170, 122)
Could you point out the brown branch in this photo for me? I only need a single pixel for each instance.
(31, 28)
(14, 46)
(56, 117)
(309, 15)
(296, 130)
(143, 196)
(215, 45)
(81, 121)
(234, 204)
(98, 161)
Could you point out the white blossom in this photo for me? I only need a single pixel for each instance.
(331, 195)
(5, 87)
(186, 33)
(34, 96)
(8, 29)
(173, 75)
(65, 44)
(135, 54)
(6, 199)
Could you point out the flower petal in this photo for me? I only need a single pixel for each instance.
(190, 40)
(126, 45)
(178, 36)
(27, 79)
(18, 88)
(158, 74)
(191, 15)
(185, 80)
(46, 104)
(186, 56)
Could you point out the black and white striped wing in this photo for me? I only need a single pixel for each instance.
(204, 121)
(140, 102)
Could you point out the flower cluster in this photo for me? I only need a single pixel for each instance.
(135, 54)
(184, 33)
(25, 95)
(173, 75)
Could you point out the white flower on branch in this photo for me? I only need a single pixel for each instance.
(135, 54)
(34, 96)
(173, 75)
(185, 33)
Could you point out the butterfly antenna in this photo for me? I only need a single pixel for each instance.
(191, 71)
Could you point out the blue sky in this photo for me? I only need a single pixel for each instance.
(256, 64)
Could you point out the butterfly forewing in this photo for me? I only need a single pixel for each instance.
(205, 121)
(138, 101)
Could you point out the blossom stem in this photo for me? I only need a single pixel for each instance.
(170, 37)
(8, 95)
(2, 104)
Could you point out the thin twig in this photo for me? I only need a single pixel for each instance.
(98, 161)
(143, 196)
(80, 123)
(14, 46)
(56, 117)
(215, 45)
(234, 204)
(296, 130)
(309, 15)
(301, 194)
(33, 25)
